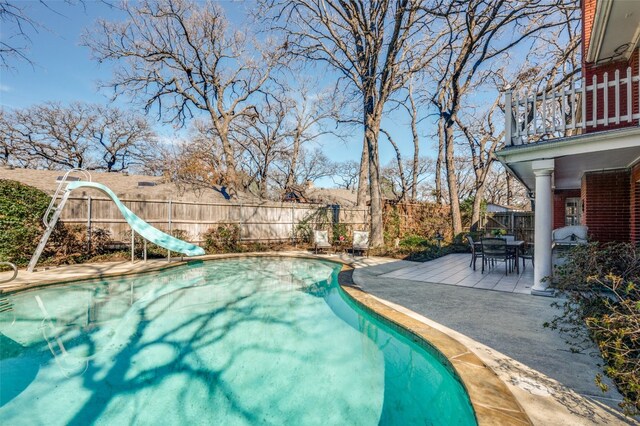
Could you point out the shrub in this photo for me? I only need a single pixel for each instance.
(222, 239)
(340, 233)
(601, 282)
(414, 241)
(21, 210)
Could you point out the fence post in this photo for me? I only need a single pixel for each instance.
(240, 220)
(293, 227)
(170, 207)
(89, 224)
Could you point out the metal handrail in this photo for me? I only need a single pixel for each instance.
(62, 184)
(15, 272)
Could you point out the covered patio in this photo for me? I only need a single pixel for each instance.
(596, 168)
(454, 269)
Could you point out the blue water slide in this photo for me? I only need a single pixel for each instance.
(145, 230)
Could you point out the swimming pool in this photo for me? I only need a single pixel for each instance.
(235, 341)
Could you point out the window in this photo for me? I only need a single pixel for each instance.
(572, 211)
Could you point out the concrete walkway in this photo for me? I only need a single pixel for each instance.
(509, 323)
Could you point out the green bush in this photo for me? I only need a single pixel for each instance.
(601, 284)
(340, 233)
(414, 241)
(222, 239)
(68, 244)
(21, 210)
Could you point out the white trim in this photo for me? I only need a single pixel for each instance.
(600, 20)
(635, 41)
(604, 169)
(543, 167)
(583, 144)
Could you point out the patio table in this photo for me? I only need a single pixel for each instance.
(516, 245)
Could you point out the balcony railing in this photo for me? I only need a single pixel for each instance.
(574, 108)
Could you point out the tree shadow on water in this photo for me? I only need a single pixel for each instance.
(181, 322)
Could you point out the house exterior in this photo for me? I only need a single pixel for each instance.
(577, 147)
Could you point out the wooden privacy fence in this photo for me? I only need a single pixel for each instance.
(520, 224)
(281, 222)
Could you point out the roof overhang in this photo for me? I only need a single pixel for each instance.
(616, 31)
(574, 156)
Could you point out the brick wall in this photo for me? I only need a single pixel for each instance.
(634, 234)
(591, 69)
(559, 198)
(588, 13)
(610, 68)
(606, 205)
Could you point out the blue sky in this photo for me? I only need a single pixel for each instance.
(63, 71)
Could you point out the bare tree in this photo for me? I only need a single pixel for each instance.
(123, 139)
(400, 167)
(374, 46)
(52, 136)
(55, 136)
(346, 175)
(481, 32)
(18, 26)
(180, 57)
(550, 62)
(422, 185)
(504, 190)
(195, 163)
(308, 119)
(313, 165)
(483, 140)
(14, 44)
(262, 137)
(409, 103)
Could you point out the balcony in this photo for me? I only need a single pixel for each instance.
(606, 102)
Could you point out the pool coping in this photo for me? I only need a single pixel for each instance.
(492, 401)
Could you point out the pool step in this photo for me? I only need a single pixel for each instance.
(5, 305)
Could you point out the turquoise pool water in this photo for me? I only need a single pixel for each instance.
(228, 342)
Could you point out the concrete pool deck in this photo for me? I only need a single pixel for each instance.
(504, 330)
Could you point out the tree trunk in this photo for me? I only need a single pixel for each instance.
(363, 178)
(372, 127)
(439, 161)
(231, 176)
(294, 162)
(477, 205)
(454, 202)
(416, 160)
(403, 179)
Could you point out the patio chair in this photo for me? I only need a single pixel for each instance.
(527, 253)
(476, 252)
(510, 238)
(361, 242)
(321, 241)
(495, 249)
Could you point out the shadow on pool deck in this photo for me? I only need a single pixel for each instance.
(510, 323)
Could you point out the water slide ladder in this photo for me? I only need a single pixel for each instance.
(53, 212)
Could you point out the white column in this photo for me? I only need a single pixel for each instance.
(544, 223)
